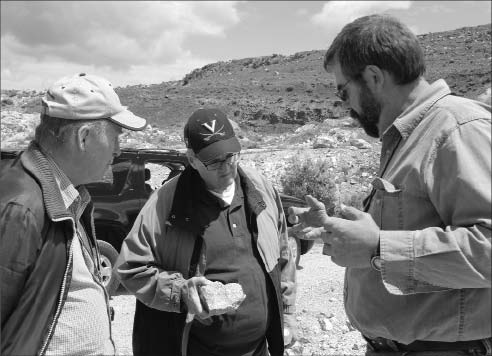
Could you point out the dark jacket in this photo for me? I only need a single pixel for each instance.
(36, 232)
(164, 248)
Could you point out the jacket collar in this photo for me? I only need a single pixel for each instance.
(190, 186)
(37, 164)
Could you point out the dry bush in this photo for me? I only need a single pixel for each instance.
(303, 176)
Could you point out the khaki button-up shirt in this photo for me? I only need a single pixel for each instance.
(432, 201)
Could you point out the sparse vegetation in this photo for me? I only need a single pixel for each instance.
(304, 175)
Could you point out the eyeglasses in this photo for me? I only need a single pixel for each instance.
(342, 92)
(230, 159)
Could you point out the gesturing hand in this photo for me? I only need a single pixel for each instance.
(315, 215)
(351, 240)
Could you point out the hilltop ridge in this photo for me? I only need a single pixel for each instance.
(277, 94)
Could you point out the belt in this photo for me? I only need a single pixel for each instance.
(482, 347)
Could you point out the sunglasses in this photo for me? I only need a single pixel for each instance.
(342, 92)
(230, 159)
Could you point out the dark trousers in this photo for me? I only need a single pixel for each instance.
(385, 347)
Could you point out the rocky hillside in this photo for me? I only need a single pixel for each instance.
(277, 94)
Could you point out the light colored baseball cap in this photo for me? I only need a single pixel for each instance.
(88, 97)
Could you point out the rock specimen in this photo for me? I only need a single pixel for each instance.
(220, 298)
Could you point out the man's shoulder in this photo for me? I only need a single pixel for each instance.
(20, 190)
(460, 110)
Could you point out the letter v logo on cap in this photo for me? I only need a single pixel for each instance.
(211, 128)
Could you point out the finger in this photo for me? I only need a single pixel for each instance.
(189, 317)
(292, 218)
(201, 281)
(298, 229)
(314, 233)
(327, 250)
(326, 237)
(314, 203)
(351, 213)
(194, 299)
(338, 261)
(296, 211)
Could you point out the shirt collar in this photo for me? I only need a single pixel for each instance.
(68, 192)
(409, 119)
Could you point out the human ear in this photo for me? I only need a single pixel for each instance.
(82, 137)
(374, 77)
(191, 159)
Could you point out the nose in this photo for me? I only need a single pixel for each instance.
(225, 167)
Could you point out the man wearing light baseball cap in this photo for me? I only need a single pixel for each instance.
(217, 221)
(53, 300)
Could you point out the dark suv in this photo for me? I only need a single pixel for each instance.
(125, 188)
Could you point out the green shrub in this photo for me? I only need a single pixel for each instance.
(303, 176)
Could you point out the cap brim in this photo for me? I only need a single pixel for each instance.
(218, 148)
(129, 121)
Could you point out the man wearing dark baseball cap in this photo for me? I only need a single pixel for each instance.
(217, 221)
(53, 300)
(209, 134)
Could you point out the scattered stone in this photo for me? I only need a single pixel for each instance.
(325, 324)
(324, 142)
(360, 143)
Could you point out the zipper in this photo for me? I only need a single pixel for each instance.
(94, 255)
(60, 299)
(98, 281)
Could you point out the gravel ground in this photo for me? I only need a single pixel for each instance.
(322, 325)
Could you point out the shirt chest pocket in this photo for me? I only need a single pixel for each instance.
(387, 205)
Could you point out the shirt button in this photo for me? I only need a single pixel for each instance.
(234, 225)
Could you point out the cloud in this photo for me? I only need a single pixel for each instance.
(336, 14)
(116, 35)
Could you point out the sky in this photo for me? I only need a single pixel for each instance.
(140, 42)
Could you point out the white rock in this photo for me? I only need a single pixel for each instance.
(324, 142)
(360, 143)
(325, 324)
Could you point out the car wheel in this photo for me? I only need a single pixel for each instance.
(108, 259)
(295, 247)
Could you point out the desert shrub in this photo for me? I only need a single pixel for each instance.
(315, 177)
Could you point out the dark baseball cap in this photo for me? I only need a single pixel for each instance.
(209, 134)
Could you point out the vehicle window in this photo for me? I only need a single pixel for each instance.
(156, 173)
(113, 181)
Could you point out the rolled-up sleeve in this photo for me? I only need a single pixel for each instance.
(457, 254)
(139, 266)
